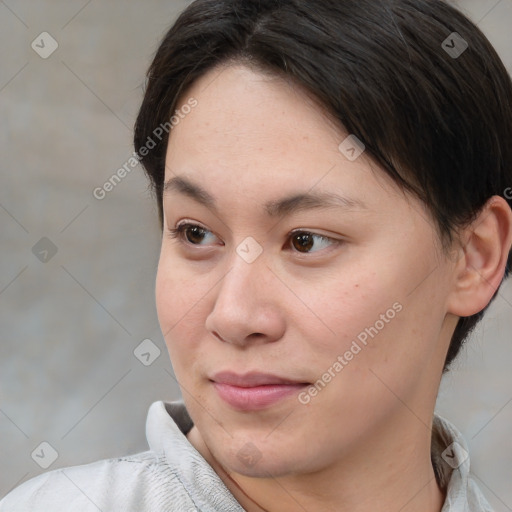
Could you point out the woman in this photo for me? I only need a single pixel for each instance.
(332, 180)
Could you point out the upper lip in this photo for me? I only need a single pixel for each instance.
(251, 379)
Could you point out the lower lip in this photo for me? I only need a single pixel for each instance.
(258, 397)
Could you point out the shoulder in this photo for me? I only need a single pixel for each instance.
(138, 482)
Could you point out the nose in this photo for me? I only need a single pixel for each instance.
(247, 310)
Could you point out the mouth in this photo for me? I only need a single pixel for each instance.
(255, 390)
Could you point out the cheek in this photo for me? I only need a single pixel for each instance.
(170, 299)
(368, 318)
(370, 321)
(345, 308)
(179, 309)
(386, 337)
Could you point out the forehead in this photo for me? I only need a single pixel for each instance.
(237, 106)
(250, 134)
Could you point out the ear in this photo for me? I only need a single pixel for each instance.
(486, 244)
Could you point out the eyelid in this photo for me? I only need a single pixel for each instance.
(297, 230)
(178, 233)
(180, 228)
(309, 231)
(333, 243)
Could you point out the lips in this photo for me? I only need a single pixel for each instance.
(252, 379)
(255, 390)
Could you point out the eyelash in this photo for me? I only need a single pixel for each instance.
(179, 231)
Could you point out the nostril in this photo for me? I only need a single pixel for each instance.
(217, 336)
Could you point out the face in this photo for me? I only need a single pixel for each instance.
(296, 331)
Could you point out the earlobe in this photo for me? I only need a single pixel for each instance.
(481, 266)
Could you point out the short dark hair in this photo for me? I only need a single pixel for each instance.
(438, 123)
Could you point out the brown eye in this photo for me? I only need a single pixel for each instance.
(194, 234)
(189, 233)
(304, 241)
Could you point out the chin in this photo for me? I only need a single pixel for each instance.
(259, 458)
(263, 468)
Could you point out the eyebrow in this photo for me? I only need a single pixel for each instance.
(277, 208)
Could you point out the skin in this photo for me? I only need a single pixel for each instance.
(363, 442)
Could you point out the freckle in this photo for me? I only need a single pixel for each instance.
(356, 286)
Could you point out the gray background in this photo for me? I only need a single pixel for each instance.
(69, 326)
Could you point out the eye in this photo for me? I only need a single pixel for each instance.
(305, 240)
(187, 232)
(302, 241)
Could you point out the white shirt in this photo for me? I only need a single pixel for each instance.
(173, 476)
